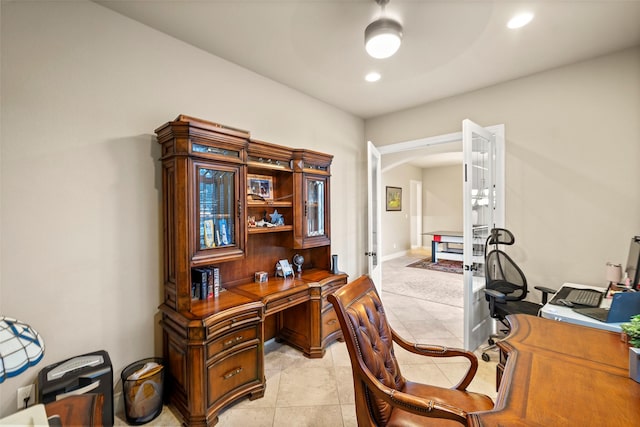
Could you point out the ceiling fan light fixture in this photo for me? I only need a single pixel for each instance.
(382, 38)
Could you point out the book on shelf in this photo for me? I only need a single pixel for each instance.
(205, 283)
(214, 274)
(223, 231)
(208, 228)
(200, 280)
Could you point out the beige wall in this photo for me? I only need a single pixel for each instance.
(441, 205)
(572, 161)
(396, 225)
(83, 89)
(441, 200)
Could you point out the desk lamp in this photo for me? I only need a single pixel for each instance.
(614, 273)
(20, 347)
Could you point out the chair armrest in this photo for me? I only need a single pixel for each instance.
(411, 403)
(545, 292)
(440, 351)
(498, 296)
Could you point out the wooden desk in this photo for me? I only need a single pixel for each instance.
(448, 244)
(559, 374)
(214, 353)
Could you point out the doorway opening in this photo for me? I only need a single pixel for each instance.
(482, 149)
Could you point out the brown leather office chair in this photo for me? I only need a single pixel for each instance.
(383, 396)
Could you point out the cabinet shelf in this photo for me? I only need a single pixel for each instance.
(269, 166)
(276, 204)
(260, 230)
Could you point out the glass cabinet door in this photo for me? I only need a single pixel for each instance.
(216, 207)
(315, 207)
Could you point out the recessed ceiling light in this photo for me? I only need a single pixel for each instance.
(520, 20)
(372, 77)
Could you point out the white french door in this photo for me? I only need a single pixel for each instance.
(483, 193)
(374, 223)
(483, 209)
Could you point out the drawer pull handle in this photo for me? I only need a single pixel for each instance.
(233, 341)
(232, 373)
(332, 322)
(290, 298)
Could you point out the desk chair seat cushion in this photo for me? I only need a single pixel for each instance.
(470, 401)
(516, 307)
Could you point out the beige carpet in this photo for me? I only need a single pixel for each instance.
(420, 283)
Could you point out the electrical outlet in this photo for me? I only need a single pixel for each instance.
(26, 393)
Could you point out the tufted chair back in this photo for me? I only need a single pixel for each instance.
(370, 345)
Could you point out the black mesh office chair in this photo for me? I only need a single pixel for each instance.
(506, 285)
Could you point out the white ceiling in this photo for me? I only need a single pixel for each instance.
(449, 46)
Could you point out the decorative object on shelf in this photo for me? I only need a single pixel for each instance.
(20, 347)
(383, 36)
(261, 277)
(283, 269)
(263, 223)
(334, 264)
(251, 220)
(298, 260)
(394, 198)
(276, 218)
(261, 185)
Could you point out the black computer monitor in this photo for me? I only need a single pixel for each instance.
(633, 262)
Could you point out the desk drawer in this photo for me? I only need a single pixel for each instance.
(330, 288)
(330, 323)
(286, 302)
(232, 339)
(232, 373)
(222, 326)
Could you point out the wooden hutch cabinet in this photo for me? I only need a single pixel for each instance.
(232, 207)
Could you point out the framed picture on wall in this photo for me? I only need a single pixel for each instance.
(394, 198)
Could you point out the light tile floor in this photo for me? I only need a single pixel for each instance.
(319, 392)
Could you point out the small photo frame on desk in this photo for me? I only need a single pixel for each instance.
(260, 185)
(394, 198)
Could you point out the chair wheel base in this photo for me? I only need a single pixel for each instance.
(491, 341)
(486, 357)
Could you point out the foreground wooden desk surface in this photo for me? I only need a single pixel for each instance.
(78, 410)
(559, 374)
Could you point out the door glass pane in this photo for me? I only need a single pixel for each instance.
(216, 208)
(315, 207)
(375, 172)
(482, 195)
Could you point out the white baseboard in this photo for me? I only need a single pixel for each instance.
(394, 255)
